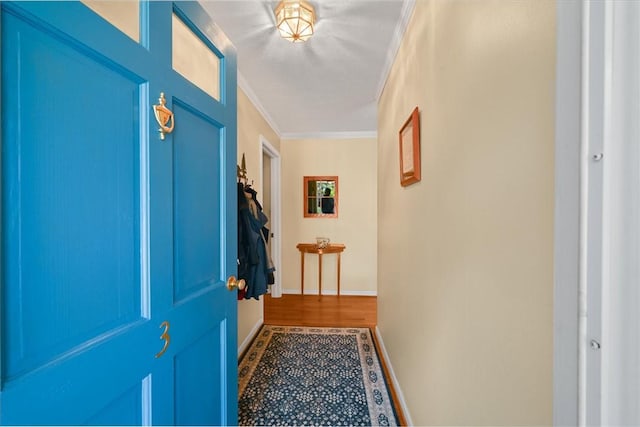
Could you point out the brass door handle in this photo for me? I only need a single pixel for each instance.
(233, 283)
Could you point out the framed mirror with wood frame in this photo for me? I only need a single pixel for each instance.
(320, 197)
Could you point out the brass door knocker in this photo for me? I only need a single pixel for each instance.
(163, 116)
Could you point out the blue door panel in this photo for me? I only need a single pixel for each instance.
(80, 27)
(124, 410)
(196, 371)
(80, 385)
(201, 103)
(196, 203)
(107, 231)
(192, 318)
(71, 215)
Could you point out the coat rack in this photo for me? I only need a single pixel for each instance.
(241, 172)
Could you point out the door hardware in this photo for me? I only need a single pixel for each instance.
(163, 116)
(233, 283)
(164, 336)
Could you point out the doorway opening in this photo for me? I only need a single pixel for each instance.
(270, 173)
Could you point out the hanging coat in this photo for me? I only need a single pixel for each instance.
(254, 265)
(264, 232)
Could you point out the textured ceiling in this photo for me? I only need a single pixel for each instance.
(327, 85)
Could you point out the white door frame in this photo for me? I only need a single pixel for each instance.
(276, 241)
(568, 209)
(590, 156)
(595, 110)
(578, 211)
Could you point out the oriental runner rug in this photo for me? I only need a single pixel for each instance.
(313, 376)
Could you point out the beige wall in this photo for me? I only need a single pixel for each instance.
(354, 161)
(251, 125)
(465, 257)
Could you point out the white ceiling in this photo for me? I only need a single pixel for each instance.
(327, 86)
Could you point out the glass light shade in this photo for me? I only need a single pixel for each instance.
(295, 20)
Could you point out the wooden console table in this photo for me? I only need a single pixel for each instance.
(312, 248)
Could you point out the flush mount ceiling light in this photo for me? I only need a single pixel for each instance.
(295, 20)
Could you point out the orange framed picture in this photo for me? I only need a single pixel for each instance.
(410, 149)
(320, 196)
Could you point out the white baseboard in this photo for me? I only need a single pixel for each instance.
(247, 341)
(331, 292)
(394, 380)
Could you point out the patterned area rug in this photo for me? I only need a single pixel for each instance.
(313, 376)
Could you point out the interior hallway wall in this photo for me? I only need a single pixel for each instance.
(465, 256)
(354, 161)
(251, 125)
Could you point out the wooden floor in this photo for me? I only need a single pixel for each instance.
(328, 310)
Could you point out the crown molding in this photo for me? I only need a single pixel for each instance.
(330, 135)
(246, 88)
(394, 46)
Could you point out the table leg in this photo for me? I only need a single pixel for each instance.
(302, 273)
(319, 275)
(338, 273)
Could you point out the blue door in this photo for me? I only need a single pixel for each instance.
(116, 244)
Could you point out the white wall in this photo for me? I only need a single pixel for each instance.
(465, 257)
(354, 161)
